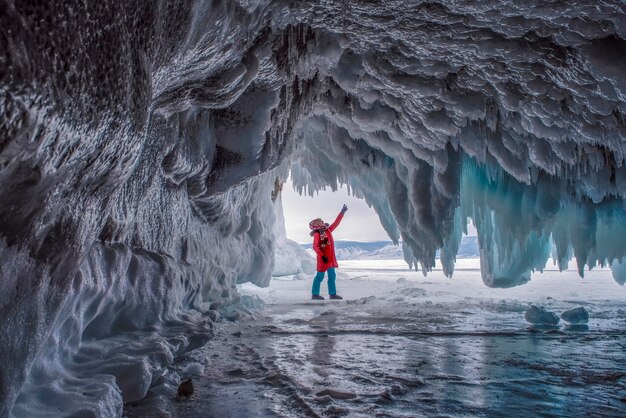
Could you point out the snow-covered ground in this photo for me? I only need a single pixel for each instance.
(401, 344)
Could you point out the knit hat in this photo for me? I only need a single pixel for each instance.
(317, 223)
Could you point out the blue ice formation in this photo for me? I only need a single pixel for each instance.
(618, 268)
(576, 316)
(143, 146)
(541, 316)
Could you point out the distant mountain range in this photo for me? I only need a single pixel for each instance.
(386, 250)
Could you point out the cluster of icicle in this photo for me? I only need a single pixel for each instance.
(140, 144)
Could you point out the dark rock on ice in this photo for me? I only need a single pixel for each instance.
(185, 388)
(384, 398)
(336, 411)
(236, 372)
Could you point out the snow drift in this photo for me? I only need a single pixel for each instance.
(143, 144)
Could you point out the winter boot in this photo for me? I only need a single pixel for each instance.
(335, 297)
(318, 297)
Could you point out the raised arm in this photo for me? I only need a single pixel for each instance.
(339, 218)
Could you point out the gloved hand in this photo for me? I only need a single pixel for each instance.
(325, 259)
(344, 209)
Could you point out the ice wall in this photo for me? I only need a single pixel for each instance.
(141, 143)
(289, 256)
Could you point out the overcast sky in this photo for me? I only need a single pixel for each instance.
(359, 224)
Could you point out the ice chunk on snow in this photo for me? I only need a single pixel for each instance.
(540, 316)
(192, 369)
(576, 316)
(336, 394)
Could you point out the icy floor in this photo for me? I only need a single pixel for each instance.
(405, 345)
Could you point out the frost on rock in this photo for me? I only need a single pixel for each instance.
(140, 145)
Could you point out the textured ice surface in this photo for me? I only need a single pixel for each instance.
(142, 145)
(456, 348)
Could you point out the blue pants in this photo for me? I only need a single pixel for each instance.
(332, 290)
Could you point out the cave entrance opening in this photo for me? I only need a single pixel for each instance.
(361, 223)
(359, 235)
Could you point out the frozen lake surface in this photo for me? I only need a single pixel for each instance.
(401, 344)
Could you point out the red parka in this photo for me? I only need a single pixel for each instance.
(326, 248)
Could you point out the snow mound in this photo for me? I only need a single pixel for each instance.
(192, 369)
(412, 292)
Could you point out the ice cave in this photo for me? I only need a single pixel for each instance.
(143, 151)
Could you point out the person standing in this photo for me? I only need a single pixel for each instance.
(324, 247)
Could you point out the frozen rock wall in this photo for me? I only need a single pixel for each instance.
(141, 144)
(133, 138)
